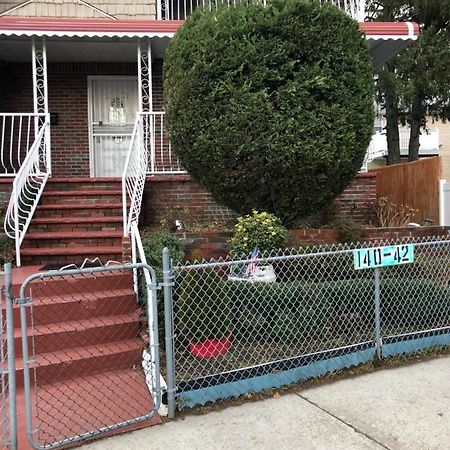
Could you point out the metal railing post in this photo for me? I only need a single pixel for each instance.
(11, 356)
(168, 322)
(377, 312)
(15, 197)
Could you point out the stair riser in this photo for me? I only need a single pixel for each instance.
(85, 285)
(86, 367)
(69, 259)
(83, 186)
(44, 314)
(85, 199)
(71, 339)
(78, 212)
(71, 242)
(98, 226)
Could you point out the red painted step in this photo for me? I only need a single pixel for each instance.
(82, 284)
(77, 218)
(77, 210)
(60, 365)
(64, 335)
(84, 196)
(61, 220)
(51, 251)
(111, 223)
(87, 404)
(74, 234)
(73, 184)
(78, 306)
(73, 238)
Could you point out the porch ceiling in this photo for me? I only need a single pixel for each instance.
(83, 49)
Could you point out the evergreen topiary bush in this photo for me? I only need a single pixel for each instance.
(270, 108)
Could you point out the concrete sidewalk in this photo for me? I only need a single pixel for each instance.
(402, 408)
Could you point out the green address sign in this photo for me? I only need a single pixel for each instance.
(392, 255)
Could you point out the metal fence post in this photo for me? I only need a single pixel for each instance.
(168, 318)
(377, 312)
(11, 356)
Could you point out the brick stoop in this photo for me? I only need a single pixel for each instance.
(77, 218)
(86, 368)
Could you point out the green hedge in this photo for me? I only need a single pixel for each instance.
(283, 311)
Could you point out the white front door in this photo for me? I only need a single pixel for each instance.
(113, 107)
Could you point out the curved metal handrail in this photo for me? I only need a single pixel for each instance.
(27, 188)
(133, 177)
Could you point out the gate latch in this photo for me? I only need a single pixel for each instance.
(21, 300)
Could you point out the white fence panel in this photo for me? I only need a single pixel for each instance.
(445, 203)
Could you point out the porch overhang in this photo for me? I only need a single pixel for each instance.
(385, 39)
(83, 40)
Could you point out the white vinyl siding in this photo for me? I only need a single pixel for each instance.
(121, 9)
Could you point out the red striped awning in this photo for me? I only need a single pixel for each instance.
(58, 27)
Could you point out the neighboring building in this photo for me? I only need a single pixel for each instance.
(434, 141)
(98, 9)
(444, 139)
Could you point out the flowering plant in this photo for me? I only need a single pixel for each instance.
(258, 229)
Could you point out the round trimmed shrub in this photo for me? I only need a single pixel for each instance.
(270, 108)
(258, 229)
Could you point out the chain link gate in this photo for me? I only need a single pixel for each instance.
(90, 352)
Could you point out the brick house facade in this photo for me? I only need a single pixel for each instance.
(94, 71)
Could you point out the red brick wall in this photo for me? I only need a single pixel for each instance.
(359, 199)
(68, 96)
(178, 197)
(214, 244)
(181, 198)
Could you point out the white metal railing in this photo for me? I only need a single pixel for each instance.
(428, 139)
(17, 133)
(180, 9)
(429, 144)
(28, 185)
(162, 160)
(355, 8)
(133, 177)
(150, 153)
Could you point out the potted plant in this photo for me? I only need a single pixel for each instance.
(204, 313)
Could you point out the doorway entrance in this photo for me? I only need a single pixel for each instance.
(113, 103)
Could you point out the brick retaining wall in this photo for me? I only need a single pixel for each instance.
(179, 197)
(213, 244)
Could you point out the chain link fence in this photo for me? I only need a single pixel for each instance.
(4, 415)
(415, 312)
(91, 345)
(91, 353)
(247, 325)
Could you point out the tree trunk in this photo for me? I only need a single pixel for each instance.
(392, 133)
(417, 120)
